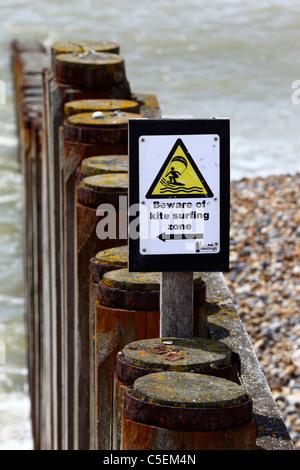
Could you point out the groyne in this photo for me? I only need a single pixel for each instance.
(76, 324)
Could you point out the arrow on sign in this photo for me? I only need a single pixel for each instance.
(179, 236)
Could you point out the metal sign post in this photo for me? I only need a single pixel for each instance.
(178, 207)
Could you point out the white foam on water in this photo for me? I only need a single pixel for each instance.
(8, 141)
(15, 430)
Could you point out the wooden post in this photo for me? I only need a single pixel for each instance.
(103, 262)
(68, 47)
(203, 413)
(91, 106)
(127, 310)
(176, 304)
(109, 189)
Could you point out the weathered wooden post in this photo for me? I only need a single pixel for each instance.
(173, 305)
(100, 264)
(90, 167)
(31, 125)
(36, 264)
(127, 310)
(101, 71)
(113, 258)
(100, 198)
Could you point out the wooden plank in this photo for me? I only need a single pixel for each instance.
(176, 304)
(28, 58)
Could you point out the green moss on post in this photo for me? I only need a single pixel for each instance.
(108, 105)
(184, 389)
(105, 164)
(113, 256)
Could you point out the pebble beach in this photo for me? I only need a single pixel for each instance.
(264, 280)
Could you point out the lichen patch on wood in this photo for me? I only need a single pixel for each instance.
(106, 182)
(114, 256)
(105, 164)
(125, 280)
(108, 105)
(185, 389)
(108, 119)
(178, 354)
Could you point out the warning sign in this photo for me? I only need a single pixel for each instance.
(178, 201)
(179, 194)
(179, 177)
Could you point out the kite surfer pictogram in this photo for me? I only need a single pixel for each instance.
(175, 171)
(179, 177)
(174, 175)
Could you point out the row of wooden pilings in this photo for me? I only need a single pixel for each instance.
(100, 375)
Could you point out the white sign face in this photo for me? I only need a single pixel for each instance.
(179, 194)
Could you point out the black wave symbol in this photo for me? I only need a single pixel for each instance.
(182, 190)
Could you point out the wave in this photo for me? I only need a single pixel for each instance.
(180, 189)
(6, 198)
(8, 141)
(9, 300)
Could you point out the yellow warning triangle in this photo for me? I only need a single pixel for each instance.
(179, 177)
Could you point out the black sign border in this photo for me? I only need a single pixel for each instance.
(212, 262)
